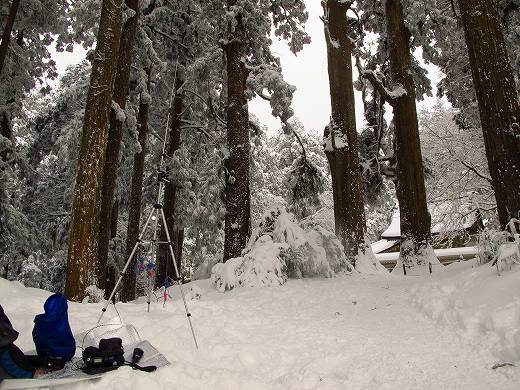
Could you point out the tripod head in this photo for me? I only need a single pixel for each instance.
(162, 175)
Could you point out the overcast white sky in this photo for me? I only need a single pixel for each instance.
(307, 71)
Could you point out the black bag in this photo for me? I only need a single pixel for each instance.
(109, 354)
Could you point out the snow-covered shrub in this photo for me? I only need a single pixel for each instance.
(31, 274)
(262, 266)
(501, 247)
(313, 251)
(94, 294)
(280, 249)
(207, 261)
(489, 241)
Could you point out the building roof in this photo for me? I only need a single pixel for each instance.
(447, 216)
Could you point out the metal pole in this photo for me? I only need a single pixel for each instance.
(153, 249)
(179, 280)
(160, 189)
(122, 273)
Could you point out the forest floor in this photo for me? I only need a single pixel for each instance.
(441, 331)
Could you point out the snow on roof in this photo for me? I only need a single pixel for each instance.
(465, 251)
(382, 245)
(447, 216)
(394, 229)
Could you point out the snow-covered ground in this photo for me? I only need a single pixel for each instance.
(444, 331)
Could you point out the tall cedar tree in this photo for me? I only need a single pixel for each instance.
(136, 195)
(5, 123)
(165, 264)
(6, 36)
(238, 195)
(349, 213)
(498, 101)
(115, 134)
(84, 227)
(411, 193)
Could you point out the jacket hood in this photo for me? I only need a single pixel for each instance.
(55, 307)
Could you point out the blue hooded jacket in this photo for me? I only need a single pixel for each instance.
(52, 334)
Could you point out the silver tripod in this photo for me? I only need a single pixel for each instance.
(158, 212)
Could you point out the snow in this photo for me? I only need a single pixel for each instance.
(334, 139)
(335, 44)
(120, 113)
(394, 229)
(480, 306)
(441, 331)
(464, 251)
(382, 245)
(397, 92)
(443, 220)
(280, 249)
(367, 263)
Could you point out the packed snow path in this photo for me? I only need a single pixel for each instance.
(350, 332)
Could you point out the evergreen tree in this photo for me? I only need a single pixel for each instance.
(115, 134)
(8, 28)
(136, 192)
(340, 140)
(238, 193)
(498, 102)
(84, 229)
(411, 194)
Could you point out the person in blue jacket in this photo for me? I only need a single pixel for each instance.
(13, 362)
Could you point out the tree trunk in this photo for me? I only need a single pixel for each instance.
(411, 193)
(136, 195)
(5, 131)
(341, 144)
(111, 270)
(498, 101)
(164, 259)
(115, 134)
(6, 36)
(237, 192)
(84, 228)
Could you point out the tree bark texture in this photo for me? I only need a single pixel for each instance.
(136, 195)
(164, 260)
(111, 270)
(349, 213)
(115, 134)
(84, 228)
(498, 101)
(8, 29)
(5, 131)
(237, 192)
(411, 193)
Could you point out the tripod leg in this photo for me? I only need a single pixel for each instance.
(170, 245)
(122, 273)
